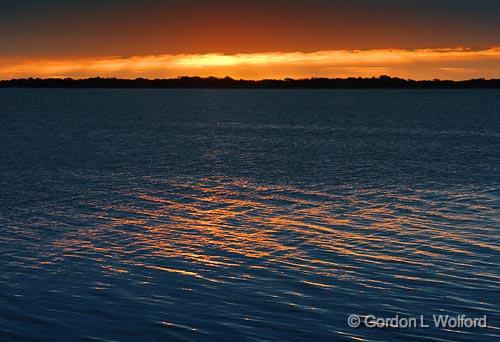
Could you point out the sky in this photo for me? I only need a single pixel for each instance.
(450, 39)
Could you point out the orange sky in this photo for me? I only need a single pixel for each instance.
(425, 39)
(455, 64)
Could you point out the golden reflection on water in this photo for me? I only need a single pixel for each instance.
(220, 223)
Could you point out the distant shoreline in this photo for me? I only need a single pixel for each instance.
(382, 82)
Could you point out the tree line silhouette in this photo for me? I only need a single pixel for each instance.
(382, 82)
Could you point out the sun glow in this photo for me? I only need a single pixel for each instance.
(458, 63)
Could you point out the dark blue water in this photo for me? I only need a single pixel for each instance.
(247, 215)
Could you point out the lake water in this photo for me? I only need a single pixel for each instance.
(249, 215)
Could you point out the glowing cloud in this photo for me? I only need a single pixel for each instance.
(456, 63)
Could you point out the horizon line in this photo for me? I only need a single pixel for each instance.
(190, 82)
